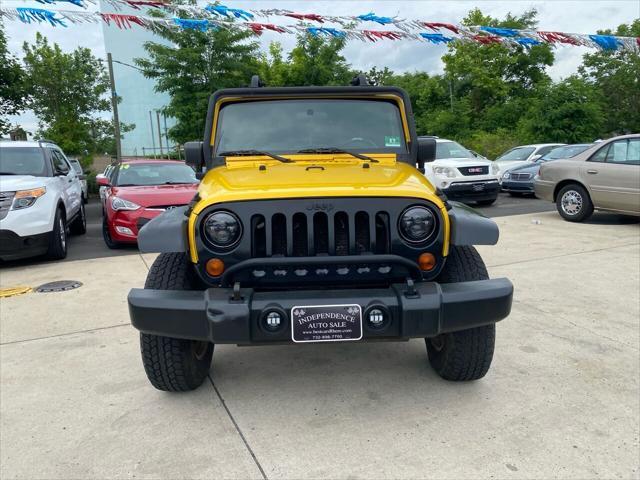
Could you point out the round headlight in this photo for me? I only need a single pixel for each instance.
(222, 229)
(417, 224)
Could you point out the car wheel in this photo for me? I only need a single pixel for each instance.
(58, 237)
(465, 354)
(174, 364)
(573, 203)
(79, 224)
(109, 242)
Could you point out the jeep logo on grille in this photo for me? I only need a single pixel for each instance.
(322, 207)
(474, 169)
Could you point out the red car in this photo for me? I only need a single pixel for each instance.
(139, 190)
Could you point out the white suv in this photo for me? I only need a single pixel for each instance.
(40, 200)
(463, 175)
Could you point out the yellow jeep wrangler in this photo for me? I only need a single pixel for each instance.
(314, 223)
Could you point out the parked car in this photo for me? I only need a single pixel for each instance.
(139, 190)
(462, 175)
(521, 155)
(605, 177)
(40, 200)
(519, 180)
(75, 163)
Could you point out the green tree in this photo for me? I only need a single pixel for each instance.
(13, 94)
(193, 66)
(568, 112)
(314, 60)
(67, 94)
(616, 75)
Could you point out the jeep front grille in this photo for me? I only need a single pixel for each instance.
(302, 234)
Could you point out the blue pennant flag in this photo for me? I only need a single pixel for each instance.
(193, 24)
(27, 15)
(502, 32)
(606, 42)
(331, 32)
(527, 42)
(79, 3)
(436, 38)
(372, 17)
(229, 12)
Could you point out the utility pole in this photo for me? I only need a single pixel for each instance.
(114, 106)
(166, 137)
(153, 141)
(159, 132)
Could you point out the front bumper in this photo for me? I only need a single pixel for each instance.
(133, 220)
(14, 246)
(517, 187)
(544, 189)
(473, 190)
(220, 315)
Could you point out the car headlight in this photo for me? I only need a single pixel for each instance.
(118, 203)
(222, 229)
(417, 224)
(506, 175)
(495, 169)
(444, 171)
(26, 198)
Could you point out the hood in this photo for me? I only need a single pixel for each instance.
(320, 178)
(461, 162)
(11, 183)
(528, 167)
(157, 195)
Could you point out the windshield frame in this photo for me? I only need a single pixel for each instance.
(116, 174)
(298, 105)
(47, 170)
(395, 94)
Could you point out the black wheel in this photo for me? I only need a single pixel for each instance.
(79, 224)
(573, 203)
(466, 354)
(109, 242)
(486, 203)
(58, 237)
(174, 364)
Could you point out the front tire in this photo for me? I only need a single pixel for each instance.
(58, 237)
(466, 354)
(106, 236)
(573, 203)
(174, 364)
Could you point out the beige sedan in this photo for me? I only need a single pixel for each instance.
(604, 177)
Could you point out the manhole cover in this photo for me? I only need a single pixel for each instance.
(13, 291)
(59, 286)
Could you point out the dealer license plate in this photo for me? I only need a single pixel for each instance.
(477, 187)
(326, 323)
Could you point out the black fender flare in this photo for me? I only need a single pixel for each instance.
(167, 233)
(470, 227)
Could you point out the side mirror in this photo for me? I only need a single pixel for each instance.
(426, 151)
(194, 155)
(102, 181)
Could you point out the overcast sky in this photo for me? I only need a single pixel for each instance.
(583, 16)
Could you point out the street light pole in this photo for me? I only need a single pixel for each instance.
(114, 106)
(159, 133)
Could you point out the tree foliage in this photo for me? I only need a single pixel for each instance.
(67, 93)
(193, 66)
(13, 94)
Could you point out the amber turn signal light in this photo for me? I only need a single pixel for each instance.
(427, 262)
(215, 267)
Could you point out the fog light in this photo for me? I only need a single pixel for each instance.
(215, 267)
(427, 262)
(124, 230)
(376, 317)
(272, 321)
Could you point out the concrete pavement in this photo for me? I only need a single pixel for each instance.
(561, 399)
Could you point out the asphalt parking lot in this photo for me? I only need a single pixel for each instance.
(561, 399)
